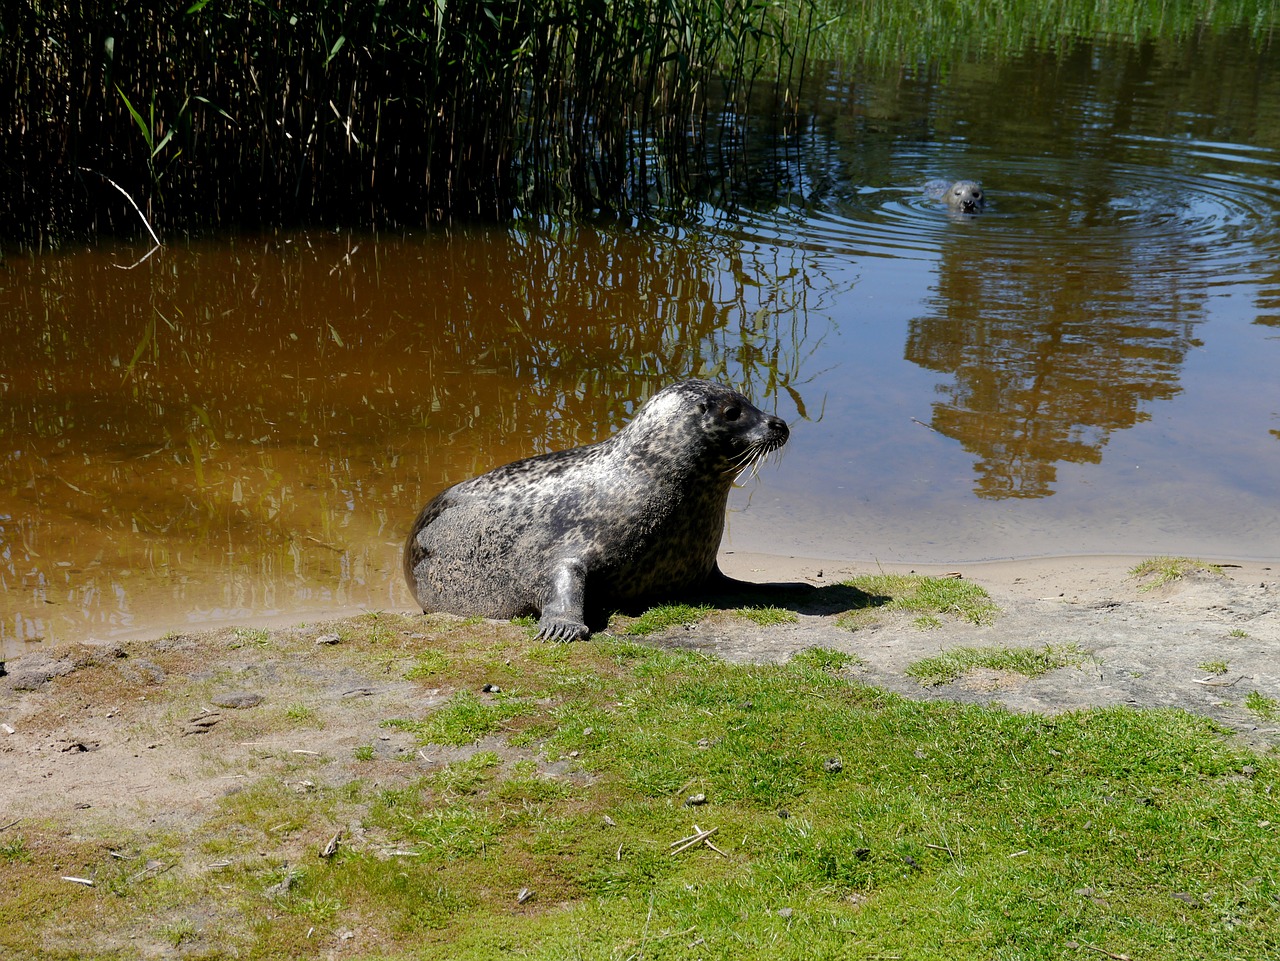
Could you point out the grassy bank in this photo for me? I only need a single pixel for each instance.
(431, 788)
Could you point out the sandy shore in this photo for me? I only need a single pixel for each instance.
(1028, 577)
(104, 725)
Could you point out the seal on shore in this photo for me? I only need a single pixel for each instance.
(962, 196)
(637, 515)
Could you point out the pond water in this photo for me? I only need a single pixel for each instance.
(244, 428)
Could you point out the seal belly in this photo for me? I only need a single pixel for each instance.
(461, 561)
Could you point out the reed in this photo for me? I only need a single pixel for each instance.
(369, 113)
(362, 112)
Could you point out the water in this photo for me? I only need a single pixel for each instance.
(243, 428)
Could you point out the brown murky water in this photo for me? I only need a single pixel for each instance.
(238, 428)
(244, 428)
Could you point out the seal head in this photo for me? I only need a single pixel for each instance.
(965, 196)
(637, 515)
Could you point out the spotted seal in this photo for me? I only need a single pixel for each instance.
(637, 515)
(962, 196)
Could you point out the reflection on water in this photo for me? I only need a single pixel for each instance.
(1120, 202)
(248, 426)
(245, 427)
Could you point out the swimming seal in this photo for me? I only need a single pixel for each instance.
(962, 196)
(637, 515)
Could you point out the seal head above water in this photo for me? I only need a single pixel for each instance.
(638, 515)
(962, 196)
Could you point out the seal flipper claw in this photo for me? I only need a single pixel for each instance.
(561, 631)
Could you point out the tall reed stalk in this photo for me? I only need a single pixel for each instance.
(250, 112)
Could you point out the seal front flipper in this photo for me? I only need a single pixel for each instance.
(563, 614)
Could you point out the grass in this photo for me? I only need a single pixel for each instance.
(947, 830)
(1215, 667)
(14, 851)
(1159, 571)
(465, 718)
(928, 598)
(302, 714)
(175, 932)
(666, 616)
(767, 616)
(1028, 661)
(251, 636)
(947, 31)
(1267, 708)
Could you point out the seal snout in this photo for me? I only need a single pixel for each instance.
(779, 432)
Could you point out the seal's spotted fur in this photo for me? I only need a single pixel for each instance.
(637, 515)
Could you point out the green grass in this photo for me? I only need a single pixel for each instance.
(301, 713)
(428, 664)
(465, 718)
(1214, 667)
(928, 598)
(952, 831)
(175, 932)
(666, 616)
(251, 635)
(1267, 708)
(14, 850)
(767, 616)
(1159, 571)
(1027, 661)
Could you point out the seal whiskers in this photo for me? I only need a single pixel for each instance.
(638, 515)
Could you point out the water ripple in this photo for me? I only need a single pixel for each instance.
(1204, 209)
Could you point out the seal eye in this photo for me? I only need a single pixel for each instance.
(732, 412)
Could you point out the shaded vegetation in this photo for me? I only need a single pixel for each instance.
(359, 112)
(363, 112)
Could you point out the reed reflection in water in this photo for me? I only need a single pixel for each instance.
(1094, 355)
(248, 427)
